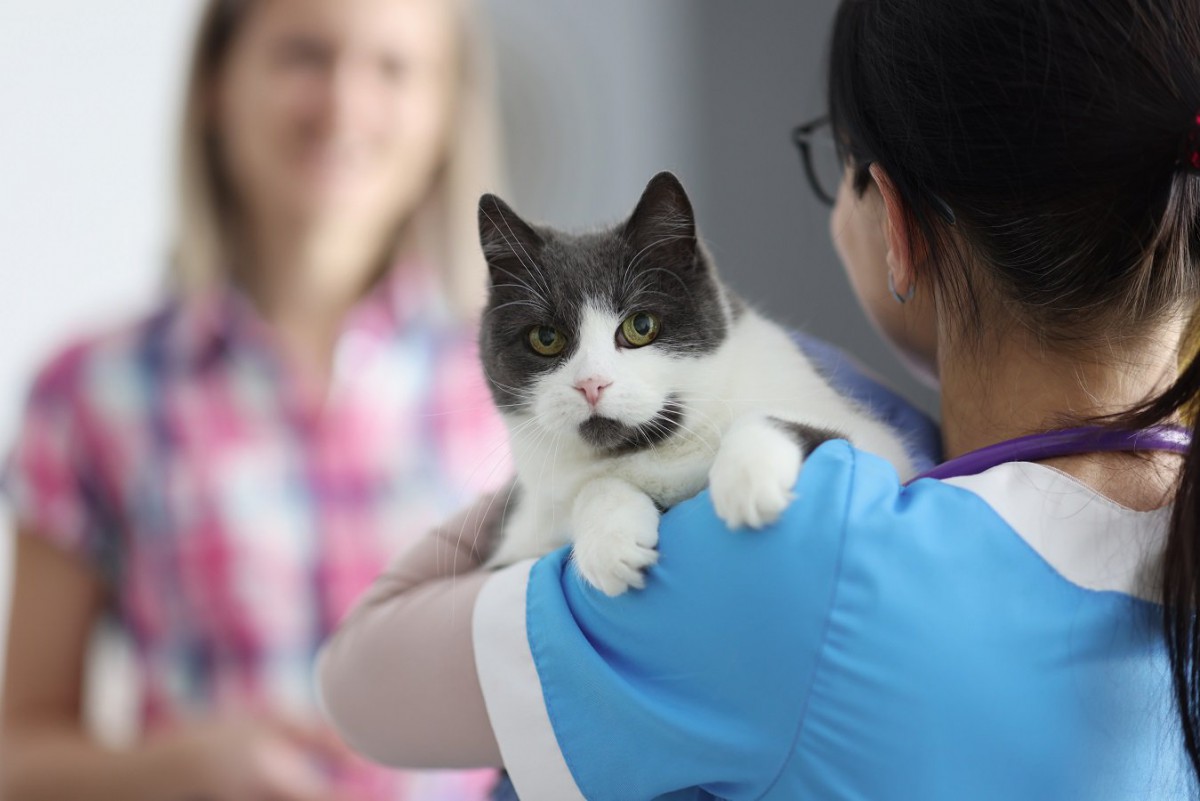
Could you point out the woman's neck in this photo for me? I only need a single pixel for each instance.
(303, 284)
(1017, 388)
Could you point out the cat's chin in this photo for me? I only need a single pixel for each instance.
(615, 438)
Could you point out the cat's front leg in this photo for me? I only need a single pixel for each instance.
(756, 467)
(616, 531)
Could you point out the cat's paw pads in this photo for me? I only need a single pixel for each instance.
(752, 477)
(612, 550)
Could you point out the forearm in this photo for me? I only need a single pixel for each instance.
(62, 764)
(398, 678)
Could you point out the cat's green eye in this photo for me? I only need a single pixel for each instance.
(639, 329)
(546, 340)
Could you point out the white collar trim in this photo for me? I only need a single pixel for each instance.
(1090, 540)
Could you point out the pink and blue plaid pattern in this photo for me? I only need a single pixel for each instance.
(236, 512)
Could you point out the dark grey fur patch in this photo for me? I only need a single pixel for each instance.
(809, 438)
(653, 263)
(615, 438)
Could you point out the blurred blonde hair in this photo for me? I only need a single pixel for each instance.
(442, 230)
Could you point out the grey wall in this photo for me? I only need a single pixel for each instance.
(600, 96)
(761, 66)
(596, 97)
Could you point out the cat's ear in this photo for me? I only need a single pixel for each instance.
(662, 229)
(510, 245)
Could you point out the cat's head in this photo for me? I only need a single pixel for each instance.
(597, 334)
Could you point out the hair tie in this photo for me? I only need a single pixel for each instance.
(1191, 152)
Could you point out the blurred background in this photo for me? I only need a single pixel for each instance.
(595, 98)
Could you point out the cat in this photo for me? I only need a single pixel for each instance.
(630, 377)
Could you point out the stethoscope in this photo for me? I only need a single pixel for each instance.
(1064, 442)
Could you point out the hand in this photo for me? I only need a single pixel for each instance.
(268, 758)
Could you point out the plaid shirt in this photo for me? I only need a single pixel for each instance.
(236, 514)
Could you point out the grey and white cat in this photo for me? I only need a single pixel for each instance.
(630, 377)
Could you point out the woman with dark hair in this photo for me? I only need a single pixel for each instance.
(1020, 216)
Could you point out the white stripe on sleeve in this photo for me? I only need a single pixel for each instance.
(513, 692)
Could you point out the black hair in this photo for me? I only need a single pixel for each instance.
(1063, 135)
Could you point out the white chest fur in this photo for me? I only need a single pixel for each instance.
(757, 374)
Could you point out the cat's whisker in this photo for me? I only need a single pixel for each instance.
(504, 236)
(521, 284)
(520, 392)
(541, 434)
(657, 243)
(554, 465)
(701, 439)
(539, 300)
(672, 274)
(508, 438)
(532, 304)
(537, 268)
(466, 409)
(642, 432)
(691, 408)
(644, 291)
(504, 512)
(513, 437)
(695, 415)
(628, 274)
(685, 434)
(541, 473)
(504, 441)
(528, 263)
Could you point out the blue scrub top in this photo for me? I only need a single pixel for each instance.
(878, 642)
(873, 644)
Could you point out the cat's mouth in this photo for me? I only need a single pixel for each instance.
(617, 439)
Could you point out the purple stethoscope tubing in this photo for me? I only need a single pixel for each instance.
(1064, 442)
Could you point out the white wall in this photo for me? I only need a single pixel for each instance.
(89, 92)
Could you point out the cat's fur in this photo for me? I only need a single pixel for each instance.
(722, 397)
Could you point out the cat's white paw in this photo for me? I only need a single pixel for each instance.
(752, 477)
(616, 532)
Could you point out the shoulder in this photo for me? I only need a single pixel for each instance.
(1017, 523)
(1084, 538)
(88, 362)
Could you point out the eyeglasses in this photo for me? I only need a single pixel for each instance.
(826, 170)
(818, 153)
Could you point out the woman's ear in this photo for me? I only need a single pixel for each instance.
(897, 230)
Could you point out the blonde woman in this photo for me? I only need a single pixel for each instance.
(228, 474)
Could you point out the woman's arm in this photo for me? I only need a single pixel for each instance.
(46, 754)
(398, 678)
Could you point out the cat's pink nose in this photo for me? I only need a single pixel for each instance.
(591, 388)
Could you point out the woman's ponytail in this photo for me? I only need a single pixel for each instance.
(1181, 572)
